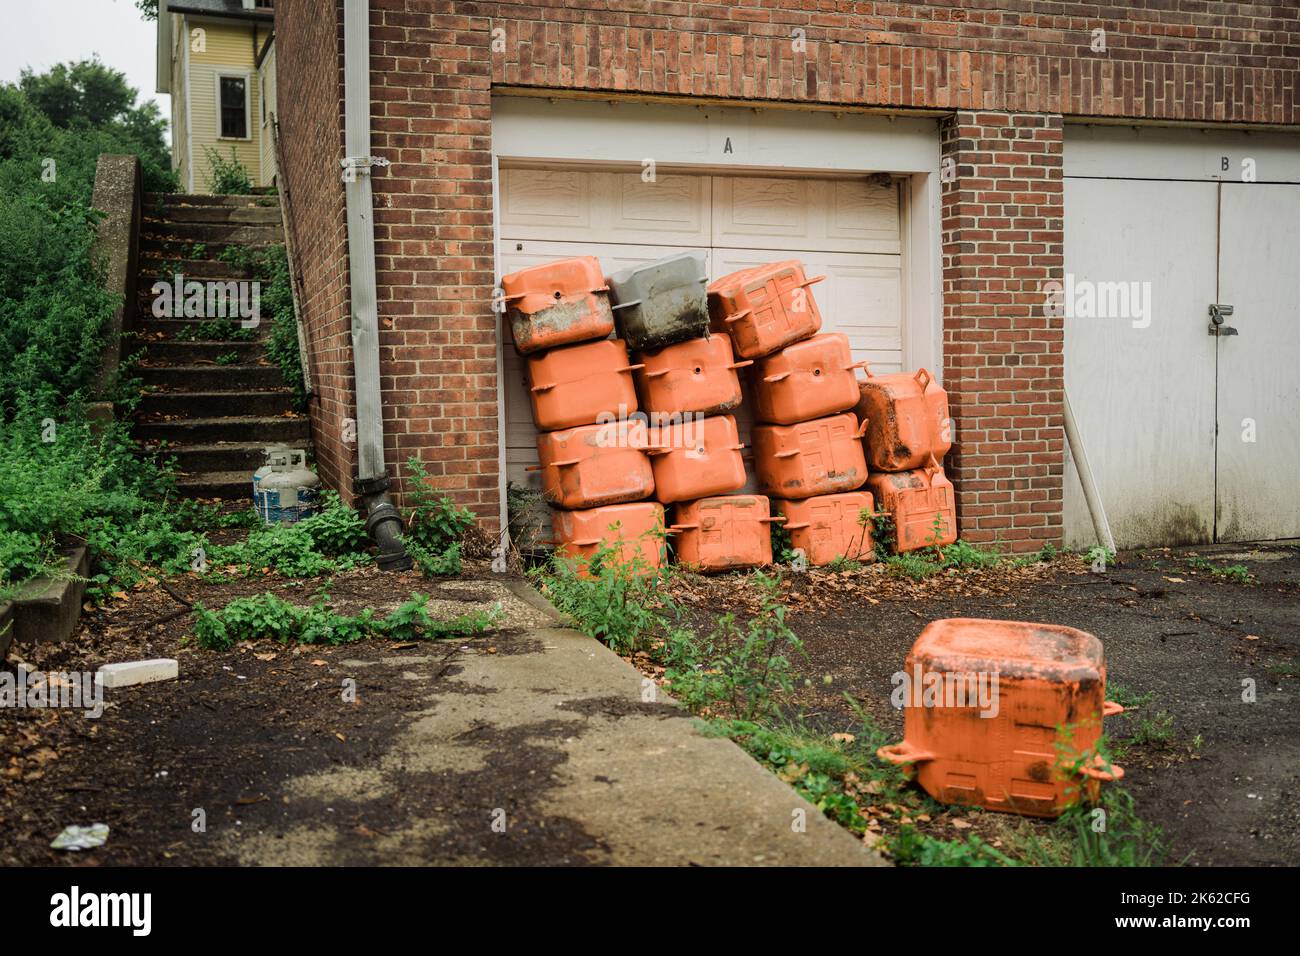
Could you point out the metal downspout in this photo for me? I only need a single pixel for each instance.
(372, 482)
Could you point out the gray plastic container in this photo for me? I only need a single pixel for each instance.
(661, 303)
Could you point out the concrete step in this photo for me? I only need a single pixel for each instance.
(215, 404)
(173, 352)
(263, 429)
(247, 215)
(236, 456)
(212, 232)
(226, 485)
(170, 250)
(192, 379)
(149, 327)
(206, 199)
(152, 270)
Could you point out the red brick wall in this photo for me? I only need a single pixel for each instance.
(434, 72)
(1003, 361)
(309, 86)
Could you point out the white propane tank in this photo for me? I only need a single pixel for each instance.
(287, 490)
(265, 470)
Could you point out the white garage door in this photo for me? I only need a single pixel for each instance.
(1191, 436)
(845, 229)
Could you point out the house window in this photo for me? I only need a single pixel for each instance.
(234, 107)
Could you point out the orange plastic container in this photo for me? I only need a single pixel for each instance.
(821, 457)
(806, 380)
(724, 533)
(916, 500)
(1004, 715)
(632, 531)
(907, 420)
(697, 458)
(698, 375)
(764, 308)
(828, 526)
(574, 384)
(594, 465)
(557, 303)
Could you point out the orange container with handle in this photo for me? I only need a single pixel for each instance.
(723, 533)
(698, 375)
(575, 384)
(1004, 715)
(821, 457)
(920, 503)
(764, 308)
(696, 458)
(809, 379)
(557, 303)
(633, 534)
(828, 527)
(907, 420)
(594, 465)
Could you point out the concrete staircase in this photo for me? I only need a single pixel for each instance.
(216, 403)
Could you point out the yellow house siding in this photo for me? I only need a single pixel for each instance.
(266, 83)
(221, 49)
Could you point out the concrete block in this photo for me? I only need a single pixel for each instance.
(128, 673)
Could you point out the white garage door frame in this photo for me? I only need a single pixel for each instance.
(1179, 195)
(718, 140)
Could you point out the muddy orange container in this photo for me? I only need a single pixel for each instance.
(821, 457)
(1004, 715)
(557, 303)
(809, 379)
(828, 527)
(594, 465)
(724, 533)
(575, 384)
(921, 504)
(698, 375)
(634, 533)
(764, 308)
(696, 458)
(907, 420)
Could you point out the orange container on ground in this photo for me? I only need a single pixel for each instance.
(698, 375)
(632, 531)
(697, 458)
(828, 527)
(764, 308)
(725, 533)
(806, 380)
(594, 465)
(557, 303)
(821, 457)
(1004, 715)
(572, 385)
(917, 500)
(907, 420)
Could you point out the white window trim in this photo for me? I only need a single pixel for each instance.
(247, 77)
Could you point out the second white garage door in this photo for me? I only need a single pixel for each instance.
(845, 229)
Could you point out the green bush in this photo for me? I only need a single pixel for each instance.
(435, 522)
(227, 177)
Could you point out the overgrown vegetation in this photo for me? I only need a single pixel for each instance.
(435, 526)
(266, 615)
(227, 177)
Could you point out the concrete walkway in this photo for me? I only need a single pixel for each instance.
(539, 749)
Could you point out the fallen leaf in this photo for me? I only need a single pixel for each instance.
(844, 738)
(340, 737)
(960, 824)
(319, 663)
(1251, 637)
(1175, 580)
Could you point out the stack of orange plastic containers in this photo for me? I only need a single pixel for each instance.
(807, 452)
(907, 434)
(593, 451)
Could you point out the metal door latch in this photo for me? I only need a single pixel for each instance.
(1217, 314)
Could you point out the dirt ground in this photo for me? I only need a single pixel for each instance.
(1219, 776)
(1221, 779)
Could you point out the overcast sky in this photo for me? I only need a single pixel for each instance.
(38, 35)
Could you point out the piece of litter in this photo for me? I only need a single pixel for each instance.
(128, 673)
(77, 838)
